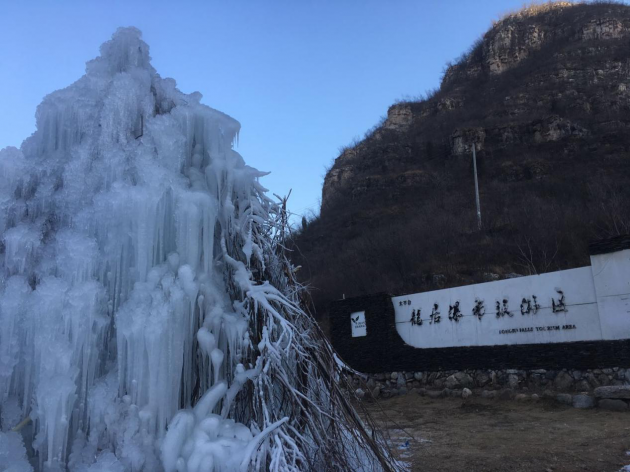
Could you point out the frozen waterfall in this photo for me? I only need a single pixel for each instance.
(148, 318)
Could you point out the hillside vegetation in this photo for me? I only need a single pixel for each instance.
(544, 96)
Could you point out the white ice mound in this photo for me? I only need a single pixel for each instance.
(111, 215)
(141, 276)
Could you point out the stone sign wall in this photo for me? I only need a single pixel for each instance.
(573, 319)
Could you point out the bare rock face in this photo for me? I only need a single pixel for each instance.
(462, 140)
(399, 118)
(603, 28)
(510, 45)
(544, 97)
(554, 128)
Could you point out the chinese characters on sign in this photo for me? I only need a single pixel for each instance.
(503, 310)
(435, 314)
(558, 306)
(479, 310)
(527, 307)
(455, 312)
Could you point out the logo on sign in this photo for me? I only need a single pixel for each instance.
(357, 320)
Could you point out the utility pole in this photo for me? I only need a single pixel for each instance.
(476, 186)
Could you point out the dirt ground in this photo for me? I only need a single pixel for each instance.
(450, 434)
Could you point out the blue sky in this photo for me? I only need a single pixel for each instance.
(303, 77)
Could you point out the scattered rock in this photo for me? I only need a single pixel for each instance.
(613, 391)
(466, 393)
(401, 382)
(513, 381)
(491, 394)
(359, 392)
(482, 379)
(535, 398)
(459, 380)
(613, 405)
(521, 397)
(564, 398)
(394, 375)
(583, 401)
(592, 380)
(417, 376)
(376, 392)
(563, 381)
(582, 386)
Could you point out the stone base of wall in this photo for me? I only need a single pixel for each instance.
(512, 380)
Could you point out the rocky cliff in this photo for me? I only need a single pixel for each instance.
(544, 96)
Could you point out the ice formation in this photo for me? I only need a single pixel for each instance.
(148, 319)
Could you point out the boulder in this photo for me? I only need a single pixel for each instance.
(482, 379)
(535, 398)
(459, 380)
(613, 405)
(563, 381)
(422, 392)
(376, 392)
(417, 376)
(521, 397)
(401, 382)
(491, 394)
(506, 394)
(613, 391)
(360, 393)
(582, 386)
(583, 401)
(466, 393)
(564, 398)
(394, 375)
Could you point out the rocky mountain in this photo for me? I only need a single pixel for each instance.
(544, 96)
